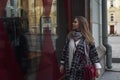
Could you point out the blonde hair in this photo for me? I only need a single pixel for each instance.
(84, 29)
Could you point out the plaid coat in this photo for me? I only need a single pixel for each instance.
(78, 61)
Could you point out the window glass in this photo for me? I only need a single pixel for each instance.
(26, 23)
(112, 17)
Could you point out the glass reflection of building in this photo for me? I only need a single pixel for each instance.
(33, 11)
(26, 18)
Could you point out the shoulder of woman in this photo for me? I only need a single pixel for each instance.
(92, 45)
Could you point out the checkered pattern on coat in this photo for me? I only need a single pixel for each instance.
(78, 61)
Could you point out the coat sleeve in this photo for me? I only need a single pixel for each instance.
(64, 51)
(93, 54)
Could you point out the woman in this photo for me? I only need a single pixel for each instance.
(72, 60)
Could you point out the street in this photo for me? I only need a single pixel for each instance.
(114, 41)
(114, 73)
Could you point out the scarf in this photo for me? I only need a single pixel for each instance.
(76, 35)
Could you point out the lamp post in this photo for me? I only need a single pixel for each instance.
(105, 35)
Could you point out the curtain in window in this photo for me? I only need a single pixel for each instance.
(2, 7)
(48, 69)
(47, 7)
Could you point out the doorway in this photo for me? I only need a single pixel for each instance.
(66, 11)
(112, 29)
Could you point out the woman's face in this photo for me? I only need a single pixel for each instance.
(75, 24)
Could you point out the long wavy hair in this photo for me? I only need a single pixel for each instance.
(84, 29)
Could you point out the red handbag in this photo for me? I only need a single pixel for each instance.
(89, 68)
(89, 72)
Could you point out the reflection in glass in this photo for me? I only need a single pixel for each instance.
(25, 22)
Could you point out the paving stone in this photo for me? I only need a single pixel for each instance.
(110, 75)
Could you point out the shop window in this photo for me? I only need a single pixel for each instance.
(26, 31)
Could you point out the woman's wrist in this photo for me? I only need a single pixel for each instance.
(98, 65)
(62, 62)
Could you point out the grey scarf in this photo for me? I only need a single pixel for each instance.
(76, 35)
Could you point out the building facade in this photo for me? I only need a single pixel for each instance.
(97, 30)
(113, 10)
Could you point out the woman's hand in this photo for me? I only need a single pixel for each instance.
(61, 68)
(97, 73)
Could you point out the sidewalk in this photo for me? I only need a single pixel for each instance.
(113, 74)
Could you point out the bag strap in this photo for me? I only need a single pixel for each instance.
(86, 49)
